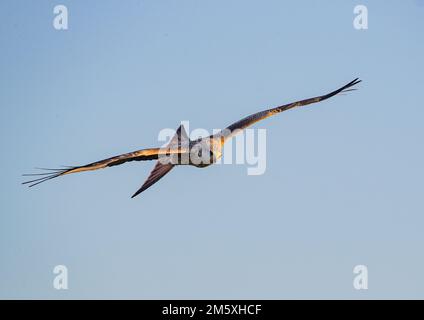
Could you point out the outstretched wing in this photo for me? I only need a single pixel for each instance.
(163, 166)
(139, 155)
(249, 120)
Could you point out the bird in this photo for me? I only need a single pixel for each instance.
(181, 150)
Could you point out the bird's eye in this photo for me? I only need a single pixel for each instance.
(199, 153)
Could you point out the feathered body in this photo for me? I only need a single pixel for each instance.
(181, 150)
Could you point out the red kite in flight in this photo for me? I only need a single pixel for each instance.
(181, 150)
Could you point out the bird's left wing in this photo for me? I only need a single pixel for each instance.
(249, 120)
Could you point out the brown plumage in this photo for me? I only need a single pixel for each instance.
(181, 150)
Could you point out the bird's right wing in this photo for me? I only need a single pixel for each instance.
(139, 155)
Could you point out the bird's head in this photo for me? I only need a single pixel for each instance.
(203, 153)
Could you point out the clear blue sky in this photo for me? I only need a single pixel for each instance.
(344, 179)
